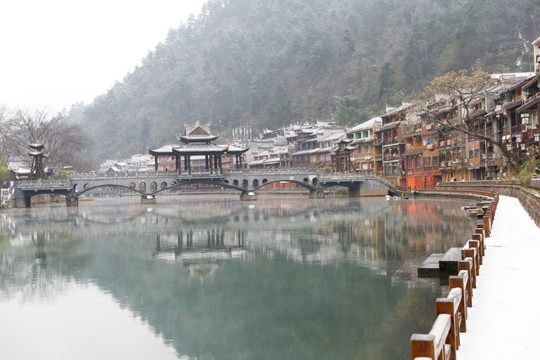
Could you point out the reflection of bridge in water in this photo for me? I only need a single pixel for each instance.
(146, 271)
(247, 183)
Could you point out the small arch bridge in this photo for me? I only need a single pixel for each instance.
(247, 183)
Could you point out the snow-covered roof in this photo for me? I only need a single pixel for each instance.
(166, 149)
(332, 137)
(377, 121)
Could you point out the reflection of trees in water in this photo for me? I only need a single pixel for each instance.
(38, 265)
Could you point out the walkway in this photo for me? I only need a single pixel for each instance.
(504, 322)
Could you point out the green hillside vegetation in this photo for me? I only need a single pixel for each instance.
(268, 63)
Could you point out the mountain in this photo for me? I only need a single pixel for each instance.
(267, 63)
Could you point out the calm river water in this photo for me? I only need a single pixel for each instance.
(201, 277)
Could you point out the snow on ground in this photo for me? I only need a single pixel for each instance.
(504, 321)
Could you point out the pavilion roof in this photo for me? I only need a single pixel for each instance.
(200, 149)
(164, 150)
(235, 149)
(199, 133)
(37, 154)
(36, 145)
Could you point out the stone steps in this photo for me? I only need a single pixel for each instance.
(440, 265)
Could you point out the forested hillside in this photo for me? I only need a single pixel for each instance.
(267, 63)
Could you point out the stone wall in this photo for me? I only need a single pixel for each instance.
(529, 198)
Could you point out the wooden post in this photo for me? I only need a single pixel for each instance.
(433, 345)
(460, 281)
(468, 252)
(476, 245)
(450, 306)
(478, 237)
(466, 265)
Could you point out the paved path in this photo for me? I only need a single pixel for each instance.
(504, 322)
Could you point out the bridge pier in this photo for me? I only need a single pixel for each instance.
(21, 203)
(354, 191)
(148, 199)
(20, 200)
(72, 201)
(316, 194)
(248, 196)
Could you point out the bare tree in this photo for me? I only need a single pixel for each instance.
(462, 91)
(63, 141)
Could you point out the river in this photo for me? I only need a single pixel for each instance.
(202, 277)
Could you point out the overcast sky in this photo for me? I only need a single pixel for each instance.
(54, 53)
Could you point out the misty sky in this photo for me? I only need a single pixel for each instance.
(58, 52)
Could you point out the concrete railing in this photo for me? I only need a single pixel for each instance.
(37, 184)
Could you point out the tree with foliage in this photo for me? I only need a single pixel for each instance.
(283, 61)
(462, 90)
(348, 112)
(64, 142)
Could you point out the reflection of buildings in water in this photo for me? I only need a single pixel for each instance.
(202, 271)
(420, 228)
(314, 234)
(202, 251)
(368, 232)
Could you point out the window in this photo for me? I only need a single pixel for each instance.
(409, 163)
(427, 161)
(435, 160)
(418, 163)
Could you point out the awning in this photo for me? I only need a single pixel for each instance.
(513, 104)
(529, 105)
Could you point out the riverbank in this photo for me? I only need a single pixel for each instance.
(528, 197)
(504, 321)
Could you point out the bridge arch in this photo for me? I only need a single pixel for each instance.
(306, 185)
(87, 189)
(224, 184)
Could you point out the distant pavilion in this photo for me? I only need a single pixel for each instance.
(196, 143)
(341, 156)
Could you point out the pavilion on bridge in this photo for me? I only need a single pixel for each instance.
(197, 152)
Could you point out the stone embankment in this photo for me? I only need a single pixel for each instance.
(528, 197)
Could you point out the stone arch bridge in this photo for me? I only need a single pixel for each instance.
(247, 182)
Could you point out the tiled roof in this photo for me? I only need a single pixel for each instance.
(366, 125)
(167, 149)
(200, 149)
